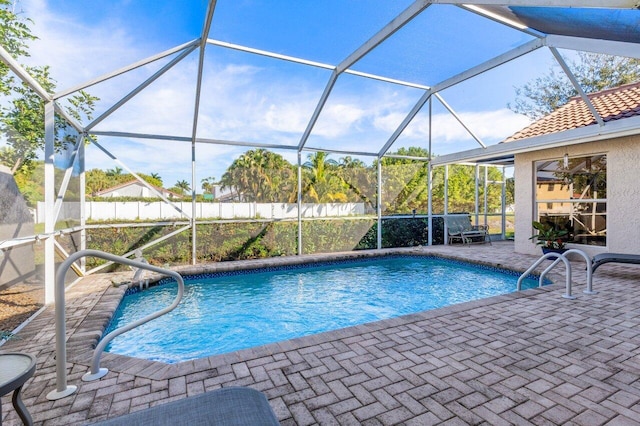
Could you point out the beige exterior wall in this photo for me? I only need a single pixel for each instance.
(623, 194)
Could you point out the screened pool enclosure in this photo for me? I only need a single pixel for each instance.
(288, 128)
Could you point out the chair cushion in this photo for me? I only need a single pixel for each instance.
(234, 406)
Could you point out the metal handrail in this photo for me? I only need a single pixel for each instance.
(545, 256)
(62, 390)
(558, 258)
(588, 261)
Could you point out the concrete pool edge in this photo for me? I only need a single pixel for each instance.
(83, 340)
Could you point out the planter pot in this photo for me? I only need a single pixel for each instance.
(546, 250)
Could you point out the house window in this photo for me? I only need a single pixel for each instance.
(578, 199)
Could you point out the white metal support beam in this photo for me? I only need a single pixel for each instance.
(446, 201)
(72, 121)
(299, 201)
(206, 27)
(67, 177)
(23, 74)
(83, 208)
(123, 70)
(387, 31)
(49, 202)
(430, 180)
(613, 129)
(476, 198)
(138, 89)
(609, 4)
(503, 204)
(486, 198)
(268, 54)
(606, 47)
(379, 204)
(398, 22)
(414, 111)
(576, 84)
(235, 143)
(316, 113)
(457, 117)
(490, 64)
(301, 61)
(142, 181)
(471, 72)
(194, 130)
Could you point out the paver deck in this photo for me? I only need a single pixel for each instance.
(524, 358)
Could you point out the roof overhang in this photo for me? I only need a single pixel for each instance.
(504, 152)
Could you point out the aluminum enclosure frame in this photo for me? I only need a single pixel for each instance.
(484, 154)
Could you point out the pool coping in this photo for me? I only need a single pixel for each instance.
(82, 341)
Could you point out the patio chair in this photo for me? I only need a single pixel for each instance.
(459, 228)
(233, 406)
(601, 259)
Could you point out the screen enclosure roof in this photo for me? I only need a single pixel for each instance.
(354, 78)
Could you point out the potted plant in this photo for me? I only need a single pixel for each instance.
(549, 237)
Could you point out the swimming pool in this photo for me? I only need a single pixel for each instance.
(229, 311)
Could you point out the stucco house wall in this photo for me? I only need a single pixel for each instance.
(623, 194)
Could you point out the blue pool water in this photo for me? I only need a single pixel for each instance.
(234, 311)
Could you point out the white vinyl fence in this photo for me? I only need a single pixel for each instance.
(141, 210)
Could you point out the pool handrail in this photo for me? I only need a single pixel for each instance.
(561, 257)
(587, 259)
(544, 257)
(62, 389)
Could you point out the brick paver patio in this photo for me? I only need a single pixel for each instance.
(524, 358)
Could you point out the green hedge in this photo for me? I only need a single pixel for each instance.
(252, 240)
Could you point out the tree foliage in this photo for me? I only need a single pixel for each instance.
(14, 37)
(263, 176)
(97, 180)
(22, 117)
(260, 175)
(181, 187)
(593, 71)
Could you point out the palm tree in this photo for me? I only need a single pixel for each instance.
(182, 186)
(156, 176)
(260, 175)
(359, 180)
(350, 163)
(208, 184)
(116, 171)
(322, 184)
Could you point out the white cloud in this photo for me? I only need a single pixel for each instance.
(338, 118)
(76, 51)
(489, 126)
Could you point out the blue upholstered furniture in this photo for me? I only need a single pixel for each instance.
(234, 406)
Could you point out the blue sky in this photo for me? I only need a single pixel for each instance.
(256, 99)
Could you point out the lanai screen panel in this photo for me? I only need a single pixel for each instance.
(118, 159)
(256, 99)
(67, 176)
(326, 31)
(84, 40)
(442, 41)
(361, 114)
(164, 107)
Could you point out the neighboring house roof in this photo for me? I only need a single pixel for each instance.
(612, 104)
(135, 182)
